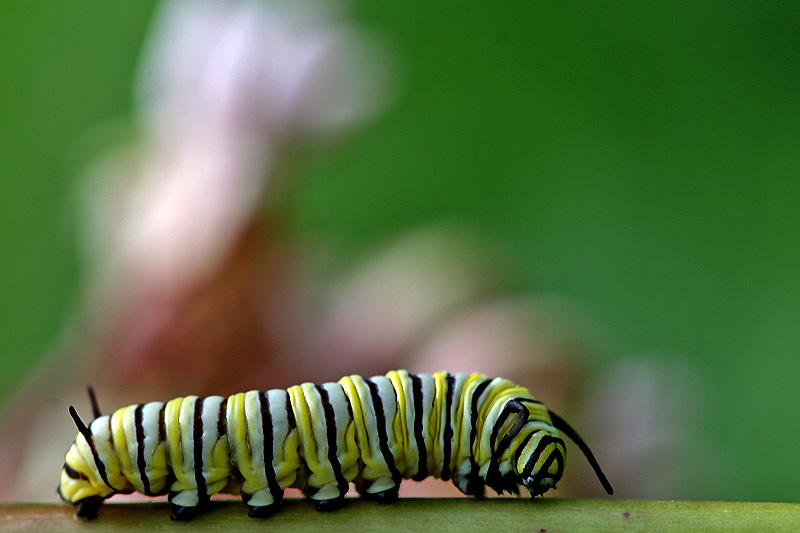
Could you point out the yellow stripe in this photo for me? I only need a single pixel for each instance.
(362, 436)
(304, 426)
(187, 438)
(436, 433)
(240, 425)
(400, 425)
(172, 420)
(461, 446)
(120, 445)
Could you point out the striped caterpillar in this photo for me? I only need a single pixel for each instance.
(319, 438)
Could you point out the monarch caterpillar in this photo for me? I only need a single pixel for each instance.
(373, 432)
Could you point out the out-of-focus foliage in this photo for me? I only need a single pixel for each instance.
(642, 159)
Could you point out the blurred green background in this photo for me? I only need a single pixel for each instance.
(642, 158)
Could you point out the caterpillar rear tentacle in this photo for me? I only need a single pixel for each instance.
(374, 433)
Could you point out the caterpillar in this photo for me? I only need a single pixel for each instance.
(373, 432)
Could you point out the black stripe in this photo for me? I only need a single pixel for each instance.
(268, 441)
(475, 485)
(72, 473)
(419, 412)
(222, 418)
(162, 437)
(383, 438)
(197, 438)
(448, 429)
(140, 459)
(349, 407)
(514, 405)
(330, 424)
(162, 426)
(522, 445)
(473, 419)
(101, 468)
(543, 471)
(544, 442)
(89, 437)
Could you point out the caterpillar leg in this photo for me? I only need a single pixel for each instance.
(470, 484)
(382, 490)
(334, 504)
(263, 503)
(86, 509)
(186, 505)
(184, 514)
(330, 497)
(385, 496)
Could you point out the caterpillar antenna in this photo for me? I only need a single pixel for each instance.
(561, 425)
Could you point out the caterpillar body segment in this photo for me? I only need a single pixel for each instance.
(373, 433)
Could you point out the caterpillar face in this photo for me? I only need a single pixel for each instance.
(541, 464)
(373, 432)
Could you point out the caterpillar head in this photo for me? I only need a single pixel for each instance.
(540, 462)
(539, 452)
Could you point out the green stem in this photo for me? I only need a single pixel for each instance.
(424, 515)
